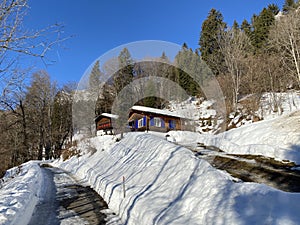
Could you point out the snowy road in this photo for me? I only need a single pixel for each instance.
(253, 168)
(65, 201)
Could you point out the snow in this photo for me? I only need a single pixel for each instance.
(201, 111)
(167, 184)
(19, 193)
(278, 138)
(110, 115)
(287, 102)
(156, 111)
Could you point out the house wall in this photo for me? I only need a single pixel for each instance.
(104, 123)
(166, 124)
(149, 122)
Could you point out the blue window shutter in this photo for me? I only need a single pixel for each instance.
(151, 121)
(171, 124)
(136, 124)
(144, 121)
(162, 123)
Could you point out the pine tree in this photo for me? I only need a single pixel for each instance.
(246, 27)
(261, 27)
(235, 25)
(274, 9)
(94, 78)
(190, 70)
(125, 73)
(210, 51)
(288, 6)
(150, 100)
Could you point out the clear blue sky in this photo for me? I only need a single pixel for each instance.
(100, 25)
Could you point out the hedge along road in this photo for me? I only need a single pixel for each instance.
(65, 201)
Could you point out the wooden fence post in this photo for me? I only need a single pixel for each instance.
(124, 189)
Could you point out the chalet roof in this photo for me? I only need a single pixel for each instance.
(113, 116)
(108, 115)
(155, 111)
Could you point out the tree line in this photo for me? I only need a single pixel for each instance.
(251, 58)
(35, 120)
(35, 114)
(254, 57)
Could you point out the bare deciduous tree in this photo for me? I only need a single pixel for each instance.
(234, 45)
(16, 41)
(285, 38)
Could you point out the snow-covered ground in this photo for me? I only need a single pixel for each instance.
(167, 184)
(164, 184)
(286, 103)
(204, 112)
(278, 138)
(19, 193)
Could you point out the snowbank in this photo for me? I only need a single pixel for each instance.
(278, 138)
(19, 193)
(167, 184)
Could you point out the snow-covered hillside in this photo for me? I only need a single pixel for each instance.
(167, 184)
(278, 138)
(204, 112)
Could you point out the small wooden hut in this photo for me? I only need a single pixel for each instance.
(104, 123)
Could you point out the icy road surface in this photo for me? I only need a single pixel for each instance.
(65, 201)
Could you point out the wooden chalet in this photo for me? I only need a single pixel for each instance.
(104, 123)
(143, 118)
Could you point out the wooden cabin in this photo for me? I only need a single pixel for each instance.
(104, 123)
(143, 118)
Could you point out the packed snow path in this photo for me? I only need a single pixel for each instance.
(252, 168)
(65, 201)
(259, 169)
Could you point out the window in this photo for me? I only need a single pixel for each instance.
(157, 122)
(142, 122)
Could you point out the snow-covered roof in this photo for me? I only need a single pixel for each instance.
(113, 116)
(155, 111)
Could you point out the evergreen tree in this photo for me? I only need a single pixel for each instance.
(274, 8)
(121, 79)
(246, 27)
(61, 120)
(150, 100)
(166, 69)
(235, 25)
(212, 27)
(94, 78)
(288, 5)
(190, 70)
(164, 57)
(125, 73)
(261, 27)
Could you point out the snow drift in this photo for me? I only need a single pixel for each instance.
(19, 194)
